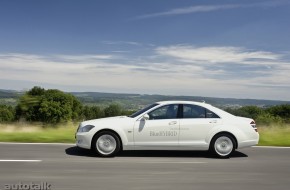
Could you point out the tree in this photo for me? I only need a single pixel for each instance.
(92, 112)
(268, 119)
(252, 111)
(6, 113)
(36, 91)
(77, 108)
(246, 111)
(112, 110)
(282, 111)
(50, 106)
(28, 107)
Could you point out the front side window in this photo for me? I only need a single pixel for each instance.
(143, 110)
(164, 112)
(195, 111)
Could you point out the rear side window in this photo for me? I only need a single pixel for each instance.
(194, 111)
(210, 114)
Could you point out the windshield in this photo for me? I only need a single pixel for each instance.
(143, 110)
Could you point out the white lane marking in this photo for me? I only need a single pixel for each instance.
(16, 143)
(20, 160)
(271, 146)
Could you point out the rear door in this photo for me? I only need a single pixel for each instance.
(195, 125)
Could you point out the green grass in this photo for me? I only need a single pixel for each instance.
(59, 134)
(274, 135)
(269, 135)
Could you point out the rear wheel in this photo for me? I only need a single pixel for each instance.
(222, 145)
(106, 144)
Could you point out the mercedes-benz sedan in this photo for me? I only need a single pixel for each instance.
(169, 125)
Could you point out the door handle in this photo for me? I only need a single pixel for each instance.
(213, 121)
(172, 122)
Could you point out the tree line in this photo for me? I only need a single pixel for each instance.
(278, 114)
(55, 106)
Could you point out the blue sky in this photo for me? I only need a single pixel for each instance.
(238, 49)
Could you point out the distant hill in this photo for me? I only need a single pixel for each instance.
(135, 101)
(9, 97)
(8, 93)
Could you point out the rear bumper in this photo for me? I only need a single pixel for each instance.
(249, 143)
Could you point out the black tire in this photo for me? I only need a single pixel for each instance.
(222, 145)
(106, 144)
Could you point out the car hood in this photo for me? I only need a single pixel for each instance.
(110, 121)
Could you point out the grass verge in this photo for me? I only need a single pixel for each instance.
(269, 135)
(274, 135)
(37, 133)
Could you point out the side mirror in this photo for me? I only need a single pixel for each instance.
(146, 117)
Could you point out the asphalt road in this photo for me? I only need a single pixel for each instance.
(67, 167)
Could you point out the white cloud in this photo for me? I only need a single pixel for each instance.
(216, 54)
(188, 10)
(210, 8)
(85, 57)
(178, 69)
(122, 43)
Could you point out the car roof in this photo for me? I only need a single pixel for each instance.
(182, 102)
(218, 111)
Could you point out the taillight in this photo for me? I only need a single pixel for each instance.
(253, 124)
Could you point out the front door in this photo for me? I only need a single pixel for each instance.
(160, 131)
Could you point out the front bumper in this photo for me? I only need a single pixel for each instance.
(83, 140)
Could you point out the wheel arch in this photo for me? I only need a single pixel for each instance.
(228, 133)
(112, 131)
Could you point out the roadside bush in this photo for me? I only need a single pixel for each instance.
(246, 111)
(92, 112)
(268, 119)
(112, 110)
(283, 111)
(276, 115)
(49, 106)
(128, 112)
(7, 113)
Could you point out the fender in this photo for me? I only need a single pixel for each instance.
(235, 131)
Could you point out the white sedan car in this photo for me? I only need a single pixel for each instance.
(169, 125)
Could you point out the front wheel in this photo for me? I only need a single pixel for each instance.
(106, 144)
(222, 145)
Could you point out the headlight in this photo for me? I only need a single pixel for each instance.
(85, 128)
